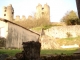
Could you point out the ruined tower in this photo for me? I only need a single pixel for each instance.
(46, 11)
(78, 7)
(8, 12)
(42, 11)
(38, 11)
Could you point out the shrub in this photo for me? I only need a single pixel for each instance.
(68, 34)
(2, 42)
(33, 23)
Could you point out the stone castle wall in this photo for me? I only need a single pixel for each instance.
(63, 31)
(23, 17)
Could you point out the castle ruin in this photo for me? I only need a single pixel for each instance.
(8, 12)
(41, 12)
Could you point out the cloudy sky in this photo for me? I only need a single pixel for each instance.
(58, 8)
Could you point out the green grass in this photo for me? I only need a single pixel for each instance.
(43, 52)
(58, 51)
(65, 41)
(71, 38)
(41, 27)
(69, 41)
(37, 28)
(9, 52)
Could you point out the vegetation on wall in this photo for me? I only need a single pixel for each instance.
(69, 41)
(71, 18)
(2, 42)
(68, 34)
(34, 23)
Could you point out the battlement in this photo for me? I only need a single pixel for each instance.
(23, 18)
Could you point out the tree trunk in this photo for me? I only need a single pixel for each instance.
(78, 7)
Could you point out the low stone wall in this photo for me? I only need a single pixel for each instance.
(49, 43)
(63, 31)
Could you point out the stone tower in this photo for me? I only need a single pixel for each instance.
(8, 12)
(38, 11)
(46, 11)
(42, 11)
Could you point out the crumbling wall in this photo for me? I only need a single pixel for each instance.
(63, 31)
(18, 34)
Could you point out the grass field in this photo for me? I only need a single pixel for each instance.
(43, 52)
(9, 52)
(65, 41)
(69, 41)
(58, 51)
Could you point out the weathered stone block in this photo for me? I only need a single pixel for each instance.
(31, 51)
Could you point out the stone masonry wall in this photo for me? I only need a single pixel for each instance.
(17, 35)
(61, 31)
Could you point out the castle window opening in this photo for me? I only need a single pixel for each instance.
(12, 12)
(4, 10)
(42, 8)
(4, 14)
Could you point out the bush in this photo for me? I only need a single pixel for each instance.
(68, 34)
(33, 23)
(2, 42)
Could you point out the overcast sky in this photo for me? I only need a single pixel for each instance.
(58, 8)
